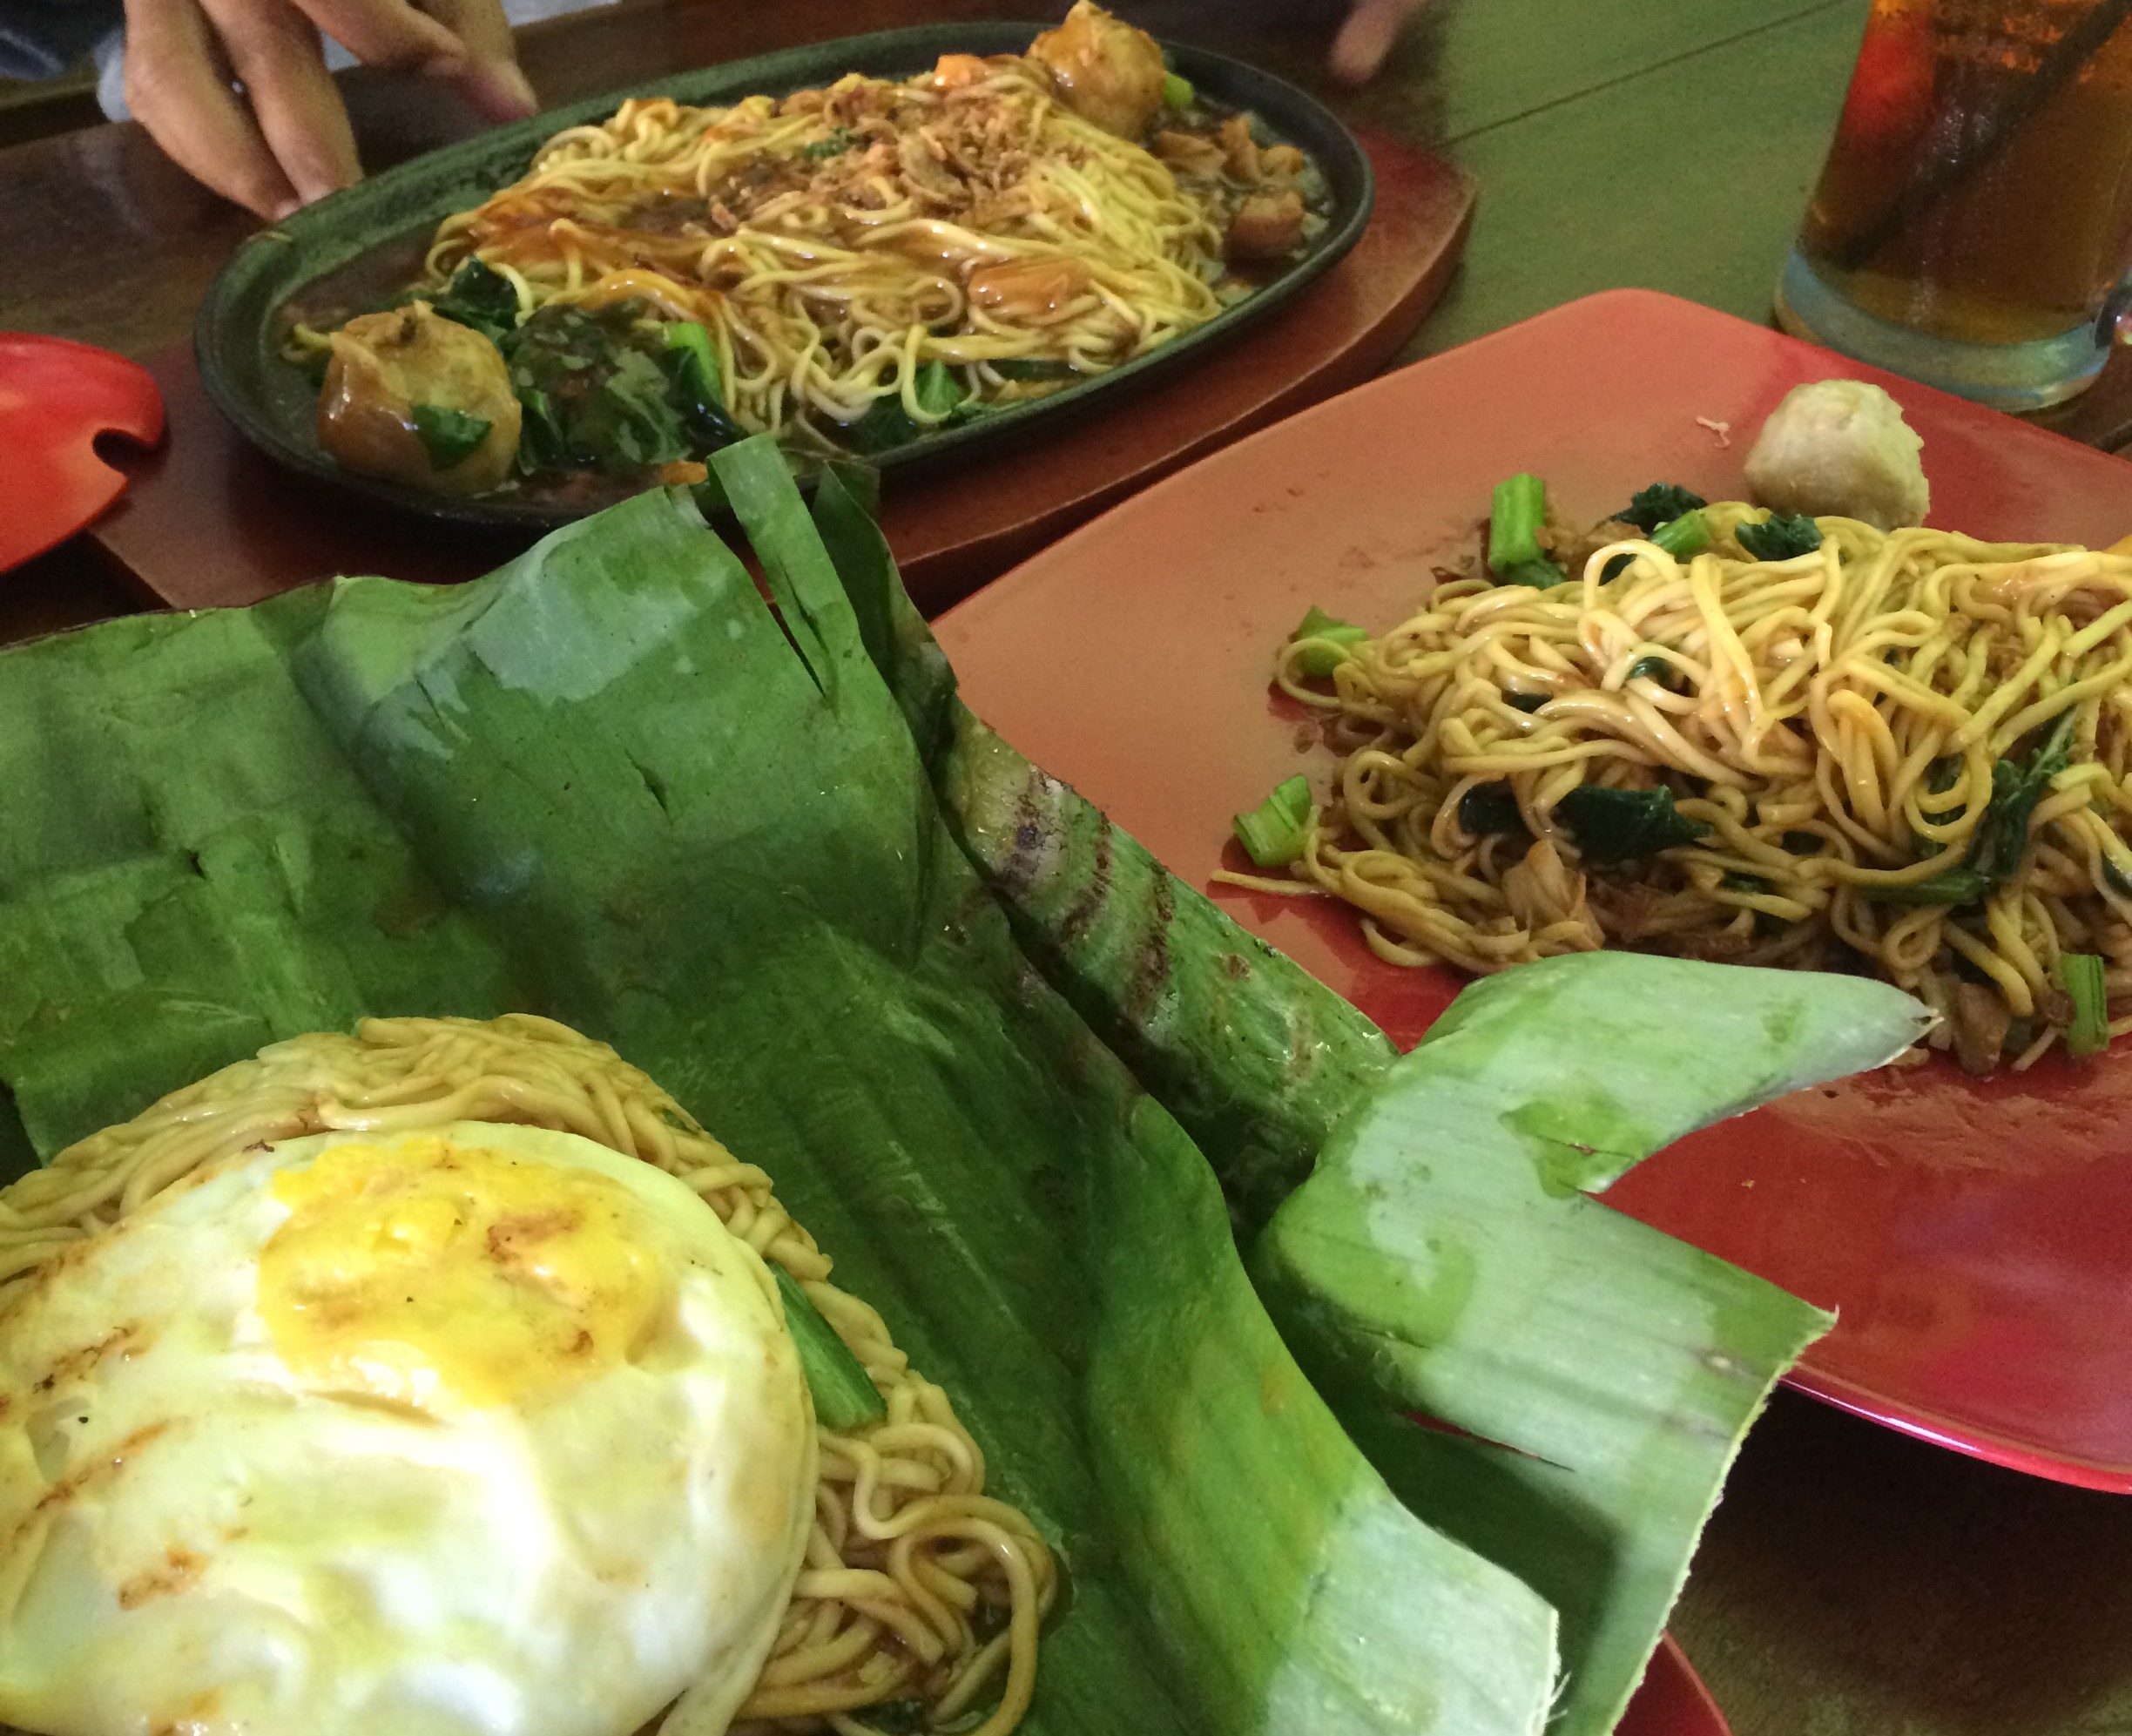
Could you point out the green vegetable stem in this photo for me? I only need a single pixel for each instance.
(2080, 974)
(1515, 518)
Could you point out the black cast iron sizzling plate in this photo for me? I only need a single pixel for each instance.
(238, 334)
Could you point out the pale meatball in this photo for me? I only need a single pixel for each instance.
(1840, 448)
(1105, 71)
(383, 366)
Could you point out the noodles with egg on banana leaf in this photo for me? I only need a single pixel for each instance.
(607, 784)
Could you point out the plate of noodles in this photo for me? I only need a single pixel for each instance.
(893, 247)
(1894, 753)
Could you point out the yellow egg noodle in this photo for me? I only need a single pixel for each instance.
(910, 1567)
(835, 241)
(1832, 718)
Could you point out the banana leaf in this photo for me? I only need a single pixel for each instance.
(608, 784)
(1594, 1377)
(830, 912)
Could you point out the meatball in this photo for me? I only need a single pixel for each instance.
(1840, 448)
(1105, 71)
(384, 365)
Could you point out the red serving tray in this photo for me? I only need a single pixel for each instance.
(1976, 1238)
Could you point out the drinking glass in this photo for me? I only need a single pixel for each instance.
(1972, 225)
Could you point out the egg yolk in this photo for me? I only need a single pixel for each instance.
(427, 1267)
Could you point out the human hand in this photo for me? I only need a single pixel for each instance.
(1373, 26)
(283, 139)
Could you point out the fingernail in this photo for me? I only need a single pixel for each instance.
(289, 208)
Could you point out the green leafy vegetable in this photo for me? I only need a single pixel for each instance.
(1330, 638)
(449, 437)
(1176, 91)
(480, 299)
(2080, 974)
(1487, 808)
(1526, 702)
(1733, 881)
(1660, 503)
(1272, 832)
(835, 145)
(1683, 537)
(1620, 826)
(697, 387)
(1781, 536)
(1662, 670)
(886, 424)
(2001, 839)
(1518, 511)
(844, 1395)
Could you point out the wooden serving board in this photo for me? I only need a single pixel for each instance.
(208, 522)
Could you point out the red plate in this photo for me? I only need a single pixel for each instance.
(1976, 1238)
(1672, 1701)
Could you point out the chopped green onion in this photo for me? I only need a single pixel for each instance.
(2080, 974)
(837, 142)
(1178, 92)
(449, 436)
(1328, 641)
(1272, 832)
(845, 1395)
(1683, 537)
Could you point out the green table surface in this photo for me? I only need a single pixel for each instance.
(1854, 1581)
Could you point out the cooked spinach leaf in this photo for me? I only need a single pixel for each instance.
(480, 299)
(1619, 825)
(1658, 504)
(1779, 537)
(448, 435)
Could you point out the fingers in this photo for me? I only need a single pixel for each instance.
(1373, 26)
(285, 140)
(275, 54)
(387, 33)
(178, 88)
(490, 80)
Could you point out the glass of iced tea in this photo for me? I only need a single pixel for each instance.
(1972, 226)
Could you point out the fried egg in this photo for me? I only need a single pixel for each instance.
(483, 1429)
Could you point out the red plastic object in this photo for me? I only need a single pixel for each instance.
(1672, 1701)
(1975, 1237)
(56, 397)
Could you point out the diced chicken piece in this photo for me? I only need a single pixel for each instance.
(1191, 154)
(1840, 447)
(1266, 225)
(384, 365)
(1105, 71)
(1981, 1019)
(1241, 149)
(1280, 162)
(1544, 892)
